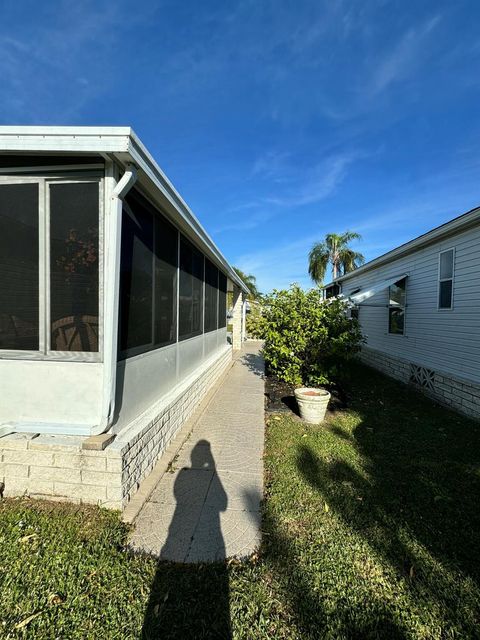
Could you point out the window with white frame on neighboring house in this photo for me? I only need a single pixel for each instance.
(446, 268)
(396, 307)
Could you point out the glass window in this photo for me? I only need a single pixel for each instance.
(446, 264)
(190, 309)
(445, 285)
(211, 296)
(148, 277)
(332, 291)
(396, 307)
(19, 267)
(445, 294)
(222, 300)
(166, 259)
(74, 271)
(185, 291)
(197, 297)
(136, 278)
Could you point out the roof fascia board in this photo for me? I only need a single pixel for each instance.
(64, 139)
(451, 228)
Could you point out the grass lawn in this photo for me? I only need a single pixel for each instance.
(371, 530)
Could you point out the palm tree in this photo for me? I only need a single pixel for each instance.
(251, 283)
(334, 250)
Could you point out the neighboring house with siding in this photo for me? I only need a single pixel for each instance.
(419, 310)
(113, 302)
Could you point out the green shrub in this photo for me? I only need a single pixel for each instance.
(307, 340)
(255, 322)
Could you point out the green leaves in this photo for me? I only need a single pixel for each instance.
(306, 338)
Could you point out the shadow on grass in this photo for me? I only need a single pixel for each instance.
(414, 496)
(188, 602)
(402, 487)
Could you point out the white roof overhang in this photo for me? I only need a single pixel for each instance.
(123, 146)
(361, 296)
(461, 223)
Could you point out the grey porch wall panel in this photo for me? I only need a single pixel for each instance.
(447, 341)
(141, 381)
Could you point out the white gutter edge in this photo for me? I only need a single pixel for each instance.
(113, 236)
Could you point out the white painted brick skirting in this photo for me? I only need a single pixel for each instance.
(461, 395)
(56, 467)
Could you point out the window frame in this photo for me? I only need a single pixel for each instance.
(452, 279)
(404, 307)
(44, 352)
(152, 346)
(194, 249)
(224, 316)
(217, 291)
(85, 356)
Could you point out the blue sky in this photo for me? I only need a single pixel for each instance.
(278, 121)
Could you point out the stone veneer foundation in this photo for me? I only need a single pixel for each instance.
(461, 395)
(60, 468)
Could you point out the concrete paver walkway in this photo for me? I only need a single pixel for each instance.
(209, 507)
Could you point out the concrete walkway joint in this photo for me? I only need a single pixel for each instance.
(207, 507)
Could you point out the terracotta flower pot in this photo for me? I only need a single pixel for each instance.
(312, 403)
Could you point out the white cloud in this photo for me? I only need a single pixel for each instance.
(403, 59)
(316, 184)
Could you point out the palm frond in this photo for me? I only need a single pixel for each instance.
(318, 261)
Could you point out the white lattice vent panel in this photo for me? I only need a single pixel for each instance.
(422, 377)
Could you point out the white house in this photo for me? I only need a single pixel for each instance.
(419, 309)
(112, 312)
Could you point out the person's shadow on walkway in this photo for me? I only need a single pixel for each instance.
(191, 600)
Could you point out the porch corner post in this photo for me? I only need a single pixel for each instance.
(237, 320)
(112, 244)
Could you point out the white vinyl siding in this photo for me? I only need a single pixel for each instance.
(448, 342)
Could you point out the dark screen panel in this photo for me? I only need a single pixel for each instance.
(166, 259)
(74, 270)
(222, 300)
(136, 278)
(19, 290)
(197, 293)
(211, 296)
(185, 305)
(190, 311)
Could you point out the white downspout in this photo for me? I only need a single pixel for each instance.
(244, 319)
(113, 237)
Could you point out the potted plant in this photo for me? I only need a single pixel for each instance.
(312, 403)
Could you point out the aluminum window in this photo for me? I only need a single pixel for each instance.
(446, 274)
(50, 267)
(396, 307)
(19, 267)
(222, 300)
(190, 309)
(74, 266)
(148, 278)
(211, 296)
(136, 280)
